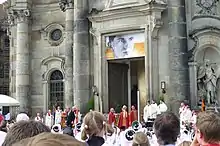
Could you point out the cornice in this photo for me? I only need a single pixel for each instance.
(134, 11)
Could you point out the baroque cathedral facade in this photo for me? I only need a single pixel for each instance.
(63, 52)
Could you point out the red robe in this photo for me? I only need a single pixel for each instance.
(111, 118)
(132, 117)
(123, 120)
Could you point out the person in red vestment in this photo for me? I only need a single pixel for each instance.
(123, 122)
(133, 115)
(111, 117)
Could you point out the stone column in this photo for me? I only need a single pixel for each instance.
(193, 83)
(67, 7)
(81, 57)
(179, 75)
(22, 60)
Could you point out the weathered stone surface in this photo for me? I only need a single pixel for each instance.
(179, 78)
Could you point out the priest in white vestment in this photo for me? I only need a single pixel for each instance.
(49, 119)
(162, 107)
(154, 110)
(146, 112)
(187, 115)
(38, 118)
(58, 115)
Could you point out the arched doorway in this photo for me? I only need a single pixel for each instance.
(56, 86)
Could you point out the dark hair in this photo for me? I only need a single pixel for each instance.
(167, 128)
(22, 130)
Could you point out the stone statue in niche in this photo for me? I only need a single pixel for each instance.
(207, 81)
(207, 7)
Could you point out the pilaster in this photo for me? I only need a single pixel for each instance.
(22, 59)
(81, 57)
(193, 83)
(67, 7)
(178, 59)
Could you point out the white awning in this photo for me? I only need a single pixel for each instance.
(8, 101)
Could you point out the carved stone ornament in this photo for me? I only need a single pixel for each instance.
(207, 6)
(64, 4)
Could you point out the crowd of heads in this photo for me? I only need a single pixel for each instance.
(95, 130)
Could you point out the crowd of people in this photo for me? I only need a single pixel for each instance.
(97, 130)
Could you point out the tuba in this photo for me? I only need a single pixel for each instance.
(136, 125)
(129, 134)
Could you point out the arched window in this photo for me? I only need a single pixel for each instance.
(56, 89)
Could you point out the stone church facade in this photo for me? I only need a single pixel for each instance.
(58, 50)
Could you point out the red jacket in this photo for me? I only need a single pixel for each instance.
(111, 118)
(120, 122)
(133, 116)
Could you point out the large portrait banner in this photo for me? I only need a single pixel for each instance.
(125, 46)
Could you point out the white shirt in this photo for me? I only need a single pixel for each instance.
(162, 107)
(187, 115)
(146, 113)
(153, 110)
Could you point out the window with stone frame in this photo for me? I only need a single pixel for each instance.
(56, 89)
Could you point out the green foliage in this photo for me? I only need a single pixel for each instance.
(90, 104)
(118, 108)
(160, 98)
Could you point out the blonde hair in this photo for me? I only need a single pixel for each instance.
(94, 122)
(140, 139)
(49, 139)
(185, 143)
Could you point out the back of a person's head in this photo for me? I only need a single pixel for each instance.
(208, 127)
(49, 139)
(94, 122)
(167, 128)
(68, 131)
(22, 130)
(22, 117)
(140, 139)
(185, 143)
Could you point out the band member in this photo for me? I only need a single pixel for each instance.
(49, 119)
(133, 116)
(123, 118)
(58, 114)
(111, 117)
(38, 118)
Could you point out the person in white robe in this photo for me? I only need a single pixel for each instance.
(146, 112)
(49, 119)
(162, 107)
(58, 115)
(182, 111)
(187, 115)
(194, 117)
(38, 118)
(153, 110)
